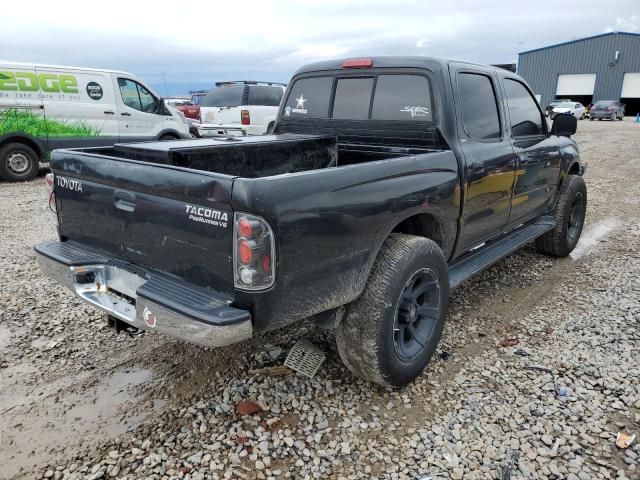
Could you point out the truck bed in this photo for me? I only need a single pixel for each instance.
(254, 157)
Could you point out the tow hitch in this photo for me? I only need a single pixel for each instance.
(119, 326)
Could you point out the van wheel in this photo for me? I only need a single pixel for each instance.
(391, 331)
(168, 136)
(569, 213)
(18, 162)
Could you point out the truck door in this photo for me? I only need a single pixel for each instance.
(139, 111)
(538, 155)
(489, 160)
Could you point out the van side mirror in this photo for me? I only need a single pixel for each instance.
(564, 125)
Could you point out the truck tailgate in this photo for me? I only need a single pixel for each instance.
(162, 217)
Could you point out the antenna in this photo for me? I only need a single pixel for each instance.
(164, 80)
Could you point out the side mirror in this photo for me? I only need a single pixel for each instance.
(564, 125)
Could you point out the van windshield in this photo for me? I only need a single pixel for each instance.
(224, 96)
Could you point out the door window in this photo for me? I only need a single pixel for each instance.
(136, 96)
(526, 118)
(479, 107)
(353, 96)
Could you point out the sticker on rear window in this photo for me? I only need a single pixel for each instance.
(300, 101)
(416, 110)
(207, 215)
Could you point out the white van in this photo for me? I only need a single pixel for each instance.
(45, 107)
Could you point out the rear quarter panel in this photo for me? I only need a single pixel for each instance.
(330, 224)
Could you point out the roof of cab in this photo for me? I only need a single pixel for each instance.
(67, 67)
(386, 62)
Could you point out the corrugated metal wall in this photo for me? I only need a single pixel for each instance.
(540, 68)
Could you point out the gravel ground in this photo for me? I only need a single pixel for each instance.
(536, 374)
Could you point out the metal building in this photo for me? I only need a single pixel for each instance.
(603, 67)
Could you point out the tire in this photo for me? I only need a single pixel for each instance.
(591, 118)
(375, 339)
(18, 162)
(600, 119)
(569, 213)
(581, 117)
(168, 136)
(270, 128)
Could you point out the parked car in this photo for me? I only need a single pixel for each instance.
(388, 182)
(240, 108)
(607, 109)
(44, 107)
(192, 108)
(549, 108)
(570, 108)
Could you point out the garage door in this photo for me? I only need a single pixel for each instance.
(631, 85)
(576, 84)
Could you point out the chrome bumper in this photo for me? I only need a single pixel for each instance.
(137, 298)
(207, 130)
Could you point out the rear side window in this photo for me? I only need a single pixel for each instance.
(402, 97)
(224, 96)
(266, 96)
(479, 107)
(353, 96)
(525, 117)
(309, 98)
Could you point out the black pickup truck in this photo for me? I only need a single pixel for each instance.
(387, 182)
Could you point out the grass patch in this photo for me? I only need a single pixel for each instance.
(12, 120)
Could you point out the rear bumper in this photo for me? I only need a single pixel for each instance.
(212, 130)
(602, 114)
(145, 299)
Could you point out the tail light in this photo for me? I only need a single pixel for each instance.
(245, 118)
(51, 195)
(254, 252)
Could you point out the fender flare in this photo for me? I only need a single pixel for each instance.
(25, 138)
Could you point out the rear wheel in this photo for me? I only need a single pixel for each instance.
(391, 331)
(570, 213)
(18, 162)
(168, 136)
(270, 128)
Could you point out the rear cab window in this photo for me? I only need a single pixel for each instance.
(380, 96)
(309, 98)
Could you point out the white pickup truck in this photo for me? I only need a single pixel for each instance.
(240, 108)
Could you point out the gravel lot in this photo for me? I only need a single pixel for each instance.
(536, 374)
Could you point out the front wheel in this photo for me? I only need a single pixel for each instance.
(391, 331)
(18, 162)
(570, 212)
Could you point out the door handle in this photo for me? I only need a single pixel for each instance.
(477, 167)
(124, 200)
(126, 114)
(109, 112)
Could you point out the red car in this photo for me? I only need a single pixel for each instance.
(191, 107)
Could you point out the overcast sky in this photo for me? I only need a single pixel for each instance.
(197, 43)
